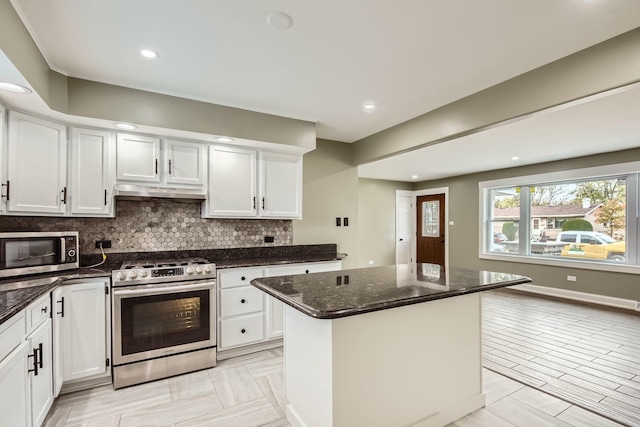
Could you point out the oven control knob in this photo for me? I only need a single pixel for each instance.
(190, 270)
(121, 275)
(133, 274)
(208, 269)
(144, 273)
(199, 270)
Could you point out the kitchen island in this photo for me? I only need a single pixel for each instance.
(383, 346)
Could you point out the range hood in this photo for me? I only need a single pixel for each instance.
(143, 192)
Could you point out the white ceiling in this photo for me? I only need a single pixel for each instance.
(408, 56)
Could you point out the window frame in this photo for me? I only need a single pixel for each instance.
(630, 171)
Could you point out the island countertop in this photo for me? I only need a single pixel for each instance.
(344, 293)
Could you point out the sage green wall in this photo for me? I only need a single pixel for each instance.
(599, 68)
(330, 190)
(377, 220)
(116, 103)
(464, 235)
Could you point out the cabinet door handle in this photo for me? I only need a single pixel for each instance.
(40, 357)
(242, 301)
(254, 203)
(35, 361)
(306, 271)
(105, 197)
(64, 195)
(8, 188)
(169, 167)
(263, 203)
(156, 166)
(243, 330)
(44, 309)
(61, 302)
(243, 278)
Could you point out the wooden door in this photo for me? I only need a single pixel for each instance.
(430, 229)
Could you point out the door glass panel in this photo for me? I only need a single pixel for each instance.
(163, 321)
(431, 218)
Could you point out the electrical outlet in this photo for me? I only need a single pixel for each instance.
(268, 239)
(571, 278)
(338, 222)
(370, 262)
(104, 244)
(345, 221)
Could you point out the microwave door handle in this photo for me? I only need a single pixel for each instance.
(63, 250)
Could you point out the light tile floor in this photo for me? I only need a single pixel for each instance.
(249, 390)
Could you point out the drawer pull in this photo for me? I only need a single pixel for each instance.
(306, 271)
(243, 300)
(44, 309)
(243, 278)
(243, 330)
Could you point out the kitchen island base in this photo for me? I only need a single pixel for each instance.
(413, 365)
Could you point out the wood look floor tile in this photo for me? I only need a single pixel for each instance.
(542, 401)
(272, 386)
(496, 386)
(57, 416)
(119, 402)
(189, 385)
(243, 360)
(251, 414)
(579, 417)
(265, 367)
(481, 418)
(522, 415)
(112, 421)
(173, 412)
(235, 386)
(278, 423)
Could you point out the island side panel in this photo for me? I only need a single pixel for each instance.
(419, 364)
(308, 369)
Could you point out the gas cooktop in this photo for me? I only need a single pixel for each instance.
(142, 272)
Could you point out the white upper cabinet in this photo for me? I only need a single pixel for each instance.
(91, 171)
(280, 185)
(184, 162)
(36, 165)
(169, 163)
(138, 158)
(232, 183)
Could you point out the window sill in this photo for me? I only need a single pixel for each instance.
(583, 265)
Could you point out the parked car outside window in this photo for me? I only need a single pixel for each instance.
(499, 238)
(593, 245)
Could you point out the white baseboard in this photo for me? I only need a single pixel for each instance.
(581, 296)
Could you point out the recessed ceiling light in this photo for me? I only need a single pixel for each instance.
(224, 139)
(125, 126)
(279, 21)
(14, 88)
(150, 54)
(369, 107)
(414, 176)
(515, 158)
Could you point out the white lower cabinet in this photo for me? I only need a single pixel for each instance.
(14, 376)
(41, 378)
(82, 332)
(246, 315)
(26, 370)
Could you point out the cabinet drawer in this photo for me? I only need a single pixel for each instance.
(238, 277)
(12, 333)
(37, 312)
(241, 330)
(242, 300)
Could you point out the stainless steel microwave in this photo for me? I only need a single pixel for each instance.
(39, 252)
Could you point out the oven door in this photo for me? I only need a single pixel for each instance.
(152, 321)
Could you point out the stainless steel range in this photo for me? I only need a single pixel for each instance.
(163, 319)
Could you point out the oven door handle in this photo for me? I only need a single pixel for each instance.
(163, 289)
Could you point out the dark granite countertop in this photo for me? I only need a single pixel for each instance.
(344, 293)
(18, 292)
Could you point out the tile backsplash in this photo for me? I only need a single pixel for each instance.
(149, 225)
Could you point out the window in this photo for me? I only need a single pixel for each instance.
(580, 217)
